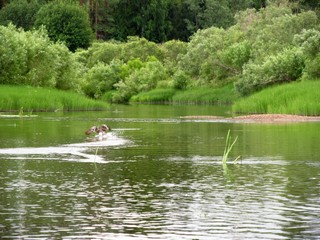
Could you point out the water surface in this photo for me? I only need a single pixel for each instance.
(157, 176)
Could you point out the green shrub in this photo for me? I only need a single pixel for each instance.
(180, 80)
(210, 52)
(30, 58)
(172, 51)
(66, 22)
(309, 41)
(286, 66)
(102, 77)
(141, 48)
(312, 68)
(104, 52)
(142, 79)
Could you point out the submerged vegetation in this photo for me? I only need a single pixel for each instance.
(270, 44)
(31, 99)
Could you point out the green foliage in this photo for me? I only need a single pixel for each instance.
(312, 68)
(309, 42)
(210, 53)
(103, 52)
(143, 78)
(279, 46)
(136, 47)
(102, 77)
(237, 55)
(66, 22)
(30, 58)
(180, 80)
(273, 28)
(20, 12)
(300, 98)
(140, 18)
(286, 66)
(171, 52)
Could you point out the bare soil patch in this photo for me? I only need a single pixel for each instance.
(262, 118)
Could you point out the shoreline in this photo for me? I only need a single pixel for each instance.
(261, 118)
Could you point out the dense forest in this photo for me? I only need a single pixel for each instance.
(117, 49)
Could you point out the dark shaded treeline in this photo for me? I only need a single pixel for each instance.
(162, 20)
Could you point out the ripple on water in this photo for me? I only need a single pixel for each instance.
(251, 201)
(69, 152)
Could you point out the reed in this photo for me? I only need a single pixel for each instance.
(228, 147)
(223, 95)
(159, 95)
(301, 98)
(30, 99)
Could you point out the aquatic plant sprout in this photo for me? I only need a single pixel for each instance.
(228, 148)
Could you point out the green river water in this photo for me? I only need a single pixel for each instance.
(157, 176)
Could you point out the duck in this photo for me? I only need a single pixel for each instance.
(101, 131)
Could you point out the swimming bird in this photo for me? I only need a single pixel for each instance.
(101, 131)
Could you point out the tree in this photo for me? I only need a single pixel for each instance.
(20, 12)
(30, 58)
(66, 22)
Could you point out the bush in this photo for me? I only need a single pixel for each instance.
(312, 68)
(286, 66)
(104, 52)
(136, 47)
(143, 78)
(102, 77)
(209, 53)
(66, 22)
(180, 80)
(172, 51)
(30, 58)
(309, 41)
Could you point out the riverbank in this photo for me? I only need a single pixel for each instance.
(223, 95)
(298, 98)
(32, 99)
(260, 118)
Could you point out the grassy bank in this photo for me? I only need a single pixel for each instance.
(15, 98)
(224, 95)
(302, 98)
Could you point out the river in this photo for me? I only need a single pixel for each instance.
(157, 176)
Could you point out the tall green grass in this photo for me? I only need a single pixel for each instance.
(223, 95)
(15, 98)
(155, 96)
(301, 98)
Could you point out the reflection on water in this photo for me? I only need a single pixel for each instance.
(156, 179)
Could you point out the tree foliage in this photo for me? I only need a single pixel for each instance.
(30, 58)
(273, 45)
(20, 12)
(66, 22)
